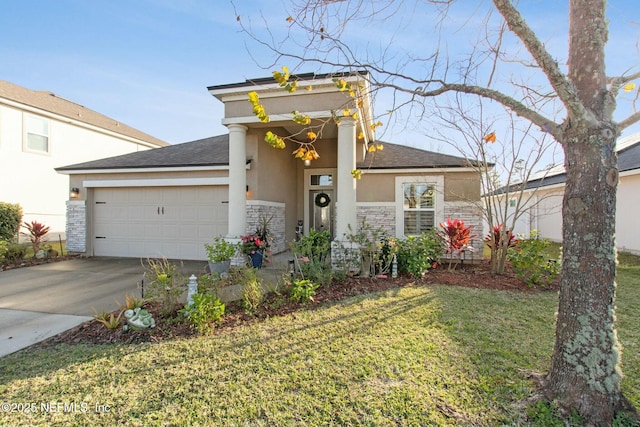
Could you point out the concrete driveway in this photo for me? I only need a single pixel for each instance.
(42, 301)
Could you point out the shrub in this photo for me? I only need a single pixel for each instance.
(37, 234)
(302, 291)
(221, 250)
(417, 254)
(456, 237)
(312, 252)
(372, 242)
(165, 284)
(10, 220)
(15, 252)
(531, 263)
(4, 245)
(203, 312)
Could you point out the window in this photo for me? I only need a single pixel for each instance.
(419, 207)
(321, 180)
(36, 134)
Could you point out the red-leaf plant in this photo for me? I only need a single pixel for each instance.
(499, 241)
(37, 233)
(456, 236)
(494, 239)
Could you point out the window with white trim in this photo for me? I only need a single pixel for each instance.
(36, 133)
(419, 207)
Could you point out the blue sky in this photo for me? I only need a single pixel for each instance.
(147, 63)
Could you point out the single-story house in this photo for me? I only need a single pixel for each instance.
(40, 131)
(170, 201)
(545, 193)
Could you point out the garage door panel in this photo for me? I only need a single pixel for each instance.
(134, 225)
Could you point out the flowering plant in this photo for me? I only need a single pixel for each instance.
(251, 244)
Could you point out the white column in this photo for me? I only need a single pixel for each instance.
(346, 186)
(237, 180)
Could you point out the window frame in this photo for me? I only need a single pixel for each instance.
(438, 199)
(27, 131)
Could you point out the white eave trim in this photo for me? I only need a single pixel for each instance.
(274, 118)
(146, 170)
(168, 182)
(417, 170)
(227, 94)
(630, 172)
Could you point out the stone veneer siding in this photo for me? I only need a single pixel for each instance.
(378, 217)
(471, 214)
(257, 209)
(76, 226)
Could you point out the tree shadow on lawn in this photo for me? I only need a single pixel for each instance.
(367, 320)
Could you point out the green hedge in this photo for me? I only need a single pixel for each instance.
(10, 220)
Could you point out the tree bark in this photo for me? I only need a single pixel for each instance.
(585, 373)
(585, 368)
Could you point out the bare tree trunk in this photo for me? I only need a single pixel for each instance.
(585, 373)
(585, 369)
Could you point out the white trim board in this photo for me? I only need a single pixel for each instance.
(169, 182)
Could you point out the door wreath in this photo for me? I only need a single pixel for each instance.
(322, 200)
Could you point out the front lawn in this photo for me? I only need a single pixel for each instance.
(424, 355)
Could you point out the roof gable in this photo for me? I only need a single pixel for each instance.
(51, 103)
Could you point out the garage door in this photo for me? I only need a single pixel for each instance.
(173, 222)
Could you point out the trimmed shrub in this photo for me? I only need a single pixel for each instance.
(10, 220)
(417, 254)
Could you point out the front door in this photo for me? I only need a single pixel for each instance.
(321, 210)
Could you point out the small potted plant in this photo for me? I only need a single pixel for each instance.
(254, 246)
(219, 254)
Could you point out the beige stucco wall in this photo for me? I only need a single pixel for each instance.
(380, 187)
(300, 100)
(272, 176)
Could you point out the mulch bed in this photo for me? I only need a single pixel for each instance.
(30, 262)
(474, 276)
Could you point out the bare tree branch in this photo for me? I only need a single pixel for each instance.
(520, 109)
(632, 119)
(549, 66)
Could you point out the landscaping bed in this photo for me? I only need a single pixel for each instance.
(277, 304)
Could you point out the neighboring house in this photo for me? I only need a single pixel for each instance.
(40, 131)
(545, 207)
(170, 201)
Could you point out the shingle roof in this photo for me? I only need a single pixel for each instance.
(628, 160)
(212, 151)
(394, 156)
(52, 103)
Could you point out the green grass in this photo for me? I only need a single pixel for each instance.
(413, 356)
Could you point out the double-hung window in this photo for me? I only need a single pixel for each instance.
(419, 207)
(36, 133)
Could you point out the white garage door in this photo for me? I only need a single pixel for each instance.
(171, 222)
